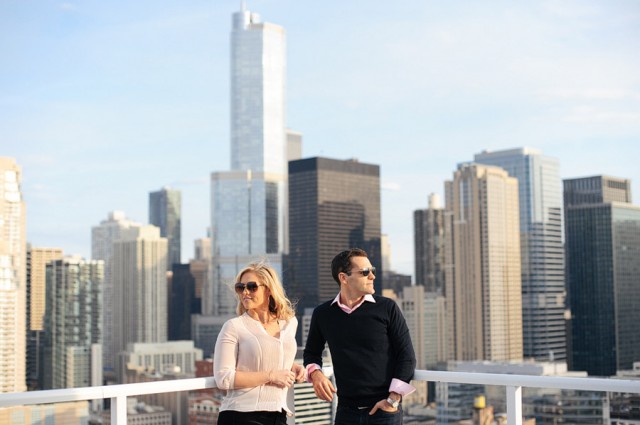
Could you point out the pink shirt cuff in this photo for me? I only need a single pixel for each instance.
(401, 387)
(312, 368)
(397, 386)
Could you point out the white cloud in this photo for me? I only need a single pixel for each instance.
(390, 186)
(586, 114)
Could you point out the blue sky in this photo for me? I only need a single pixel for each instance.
(104, 102)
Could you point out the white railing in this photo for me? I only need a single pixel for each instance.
(513, 384)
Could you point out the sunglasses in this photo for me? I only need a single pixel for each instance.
(365, 272)
(250, 286)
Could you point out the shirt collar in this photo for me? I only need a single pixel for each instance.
(346, 309)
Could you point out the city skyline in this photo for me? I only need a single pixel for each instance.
(102, 104)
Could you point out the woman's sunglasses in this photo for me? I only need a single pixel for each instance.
(250, 286)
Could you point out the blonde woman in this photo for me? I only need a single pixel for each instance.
(254, 354)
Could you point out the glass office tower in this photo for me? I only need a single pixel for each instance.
(602, 248)
(333, 205)
(543, 285)
(248, 202)
(165, 210)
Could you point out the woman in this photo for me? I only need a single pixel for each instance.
(254, 353)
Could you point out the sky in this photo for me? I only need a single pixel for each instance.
(104, 102)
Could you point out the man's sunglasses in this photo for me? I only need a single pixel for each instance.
(251, 286)
(365, 272)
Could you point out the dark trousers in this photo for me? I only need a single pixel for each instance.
(231, 417)
(354, 416)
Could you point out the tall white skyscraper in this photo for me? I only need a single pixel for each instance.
(543, 287)
(13, 291)
(248, 202)
(258, 72)
(483, 284)
(140, 287)
(103, 237)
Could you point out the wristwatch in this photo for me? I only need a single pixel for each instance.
(393, 403)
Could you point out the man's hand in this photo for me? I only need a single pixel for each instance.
(322, 386)
(383, 405)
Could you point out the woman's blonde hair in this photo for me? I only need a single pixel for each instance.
(279, 304)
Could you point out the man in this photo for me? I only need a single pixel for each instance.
(373, 358)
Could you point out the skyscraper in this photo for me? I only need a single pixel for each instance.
(258, 73)
(72, 323)
(13, 291)
(37, 260)
(425, 314)
(248, 202)
(483, 289)
(182, 302)
(429, 243)
(333, 205)
(543, 285)
(602, 249)
(103, 237)
(140, 287)
(165, 212)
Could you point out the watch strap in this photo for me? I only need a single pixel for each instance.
(393, 403)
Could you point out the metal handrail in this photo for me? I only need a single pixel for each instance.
(513, 383)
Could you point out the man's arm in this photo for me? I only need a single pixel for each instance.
(405, 362)
(315, 343)
(400, 340)
(312, 357)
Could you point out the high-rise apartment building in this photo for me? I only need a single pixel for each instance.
(602, 249)
(429, 246)
(483, 287)
(425, 313)
(543, 284)
(333, 205)
(72, 323)
(140, 287)
(37, 260)
(13, 290)
(103, 236)
(248, 202)
(165, 211)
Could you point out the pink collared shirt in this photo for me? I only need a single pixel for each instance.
(396, 386)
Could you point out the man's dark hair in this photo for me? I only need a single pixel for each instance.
(342, 262)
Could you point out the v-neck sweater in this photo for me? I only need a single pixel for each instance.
(369, 348)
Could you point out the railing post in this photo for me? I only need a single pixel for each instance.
(119, 410)
(514, 405)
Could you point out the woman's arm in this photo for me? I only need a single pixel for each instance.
(279, 378)
(224, 357)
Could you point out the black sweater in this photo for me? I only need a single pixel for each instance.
(369, 347)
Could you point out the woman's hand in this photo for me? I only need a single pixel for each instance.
(281, 378)
(299, 372)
